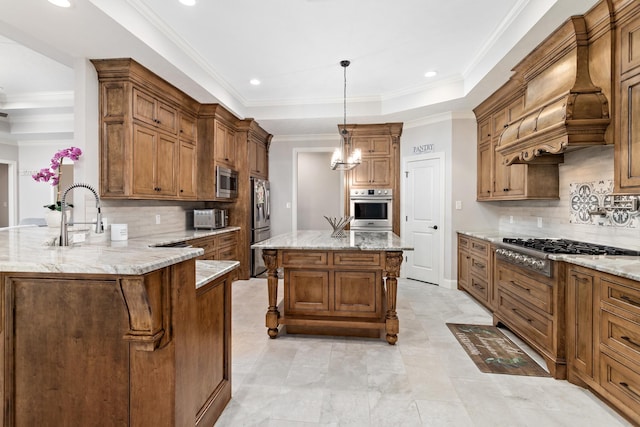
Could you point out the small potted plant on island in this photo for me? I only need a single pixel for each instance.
(52, 175)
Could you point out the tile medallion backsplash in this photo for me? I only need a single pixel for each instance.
(587, 197)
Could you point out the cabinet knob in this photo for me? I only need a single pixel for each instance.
(182, 191)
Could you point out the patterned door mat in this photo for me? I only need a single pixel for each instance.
(493, 352)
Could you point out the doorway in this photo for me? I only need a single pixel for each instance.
(424, 217)
(317, 190)
(8, 193)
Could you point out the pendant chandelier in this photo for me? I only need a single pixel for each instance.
(343, 159)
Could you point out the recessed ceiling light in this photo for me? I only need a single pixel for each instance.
(430, 74)
(188, 2)
(61, 3)
(254, 82)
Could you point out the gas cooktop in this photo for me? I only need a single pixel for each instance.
(565, 246)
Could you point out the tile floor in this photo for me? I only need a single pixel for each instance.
(426, 379)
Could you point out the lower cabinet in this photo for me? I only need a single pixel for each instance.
(475, 269)
(218, 247)
(603, 337)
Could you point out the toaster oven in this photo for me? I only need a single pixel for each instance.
(209, 218)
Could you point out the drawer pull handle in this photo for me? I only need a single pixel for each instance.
(630, 300)
(629, 389)
(630, 341)
(477, 264)
(478, 286)
(515, 310)
(518, 285)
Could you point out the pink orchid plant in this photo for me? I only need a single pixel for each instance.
(53, 173)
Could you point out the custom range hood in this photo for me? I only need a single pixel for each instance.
(563, 108)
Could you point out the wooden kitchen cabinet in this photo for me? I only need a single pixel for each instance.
(225, 145)
(220, 246)
(258, 159)
(154, 162)
(475, 269)
(145, 126)
(380, 166)
(495, 179)
(187, 178)
(627, 150)
(582, 327)
(603, 337)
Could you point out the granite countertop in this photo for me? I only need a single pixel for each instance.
(623, 266)
(208, 270)
(31, 249)
(322, 240)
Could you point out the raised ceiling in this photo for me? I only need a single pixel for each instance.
(213, 49)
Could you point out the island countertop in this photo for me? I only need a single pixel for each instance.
(30, 249)
(322, 240)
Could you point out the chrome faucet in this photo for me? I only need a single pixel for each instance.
(64, 234)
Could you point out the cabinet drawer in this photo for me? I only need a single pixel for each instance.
(536, 293)
(531, 323)
(480, 247)
(621, 378)
(463, 242)
(228, 253)
(368, 259)
(479, 288)
(620, 334)
(227, 239)
(303, 258)
(479, 266)
(621, 295)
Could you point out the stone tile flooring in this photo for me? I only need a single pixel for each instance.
(426, 379)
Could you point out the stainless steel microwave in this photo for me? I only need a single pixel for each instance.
(226, 183)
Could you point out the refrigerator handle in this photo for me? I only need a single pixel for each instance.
(267, 202)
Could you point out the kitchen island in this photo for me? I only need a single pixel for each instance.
(112, 333)
(334, 286)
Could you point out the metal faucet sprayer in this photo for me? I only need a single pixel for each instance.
(64, 235)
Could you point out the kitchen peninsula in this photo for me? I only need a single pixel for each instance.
(112, 333)
(334, 286)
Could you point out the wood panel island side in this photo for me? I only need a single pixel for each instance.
(334, 286)
(112, 333)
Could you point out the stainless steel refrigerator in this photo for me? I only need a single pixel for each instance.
(260, 223)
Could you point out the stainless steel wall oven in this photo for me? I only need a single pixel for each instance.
(371, 209)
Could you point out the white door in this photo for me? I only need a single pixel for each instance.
(423, 226)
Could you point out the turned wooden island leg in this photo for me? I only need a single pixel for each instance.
(392, 271)
(270, 257)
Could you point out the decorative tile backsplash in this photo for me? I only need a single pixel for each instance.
(588, 197)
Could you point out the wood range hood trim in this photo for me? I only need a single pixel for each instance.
(559, 119)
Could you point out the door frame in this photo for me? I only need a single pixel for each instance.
(440, 156)
(12, 173)
(294, 181)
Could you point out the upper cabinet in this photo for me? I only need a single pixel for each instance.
(496, 180)
(147, 134)
(627, 152)
(225, 144)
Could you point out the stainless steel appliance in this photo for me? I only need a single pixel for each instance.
(210, 218)
(226, 183)
(371, 209)
(260, 223)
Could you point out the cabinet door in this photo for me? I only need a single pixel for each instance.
(630, 47)
(187, 172)
(361, 176)
(144, 165)
(485, 158)
(380, 170)
(358, 293)
(257, 159)
(225, 145)
(580, 322)
(307, 291)
(144, 107)
(187, 128)
(509, 181)
(463, 269)
(628, 154)
(484, 131)
(166, 165)
(372, 146)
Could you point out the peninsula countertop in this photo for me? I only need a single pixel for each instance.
(30, 249)
(322, 240)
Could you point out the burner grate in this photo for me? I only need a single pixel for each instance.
(566, 246)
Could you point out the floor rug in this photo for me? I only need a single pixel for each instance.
(493, 352)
